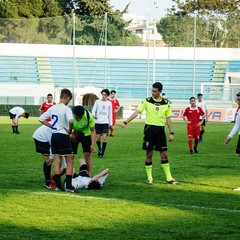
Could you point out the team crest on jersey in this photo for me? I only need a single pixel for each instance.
(103, 107)
(83, 124)
(157, 109)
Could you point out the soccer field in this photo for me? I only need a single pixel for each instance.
(204, 206)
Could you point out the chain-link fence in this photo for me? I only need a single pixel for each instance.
(131, 74)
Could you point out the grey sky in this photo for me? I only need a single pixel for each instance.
(143, 7)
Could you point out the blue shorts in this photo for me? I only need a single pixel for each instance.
(42, 147)
(61, 144)
(102, 128)
(12, 116)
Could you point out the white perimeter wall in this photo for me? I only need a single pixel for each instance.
(45, 50)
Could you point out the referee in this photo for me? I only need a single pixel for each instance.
(158, 112)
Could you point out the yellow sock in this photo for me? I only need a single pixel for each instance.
(166, 169)
(149, 172)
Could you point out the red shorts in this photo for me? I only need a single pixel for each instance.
(193, 131)
(114, 116)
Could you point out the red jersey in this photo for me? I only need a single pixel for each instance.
(193, 114)
(115, 104)
(45, 106)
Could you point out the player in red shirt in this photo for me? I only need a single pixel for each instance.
(46, 105)
(115, 109)
(191, 116)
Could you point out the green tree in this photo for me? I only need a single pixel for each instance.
(50, 21)
(214, 21)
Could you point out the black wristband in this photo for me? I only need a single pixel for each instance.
(125, 122)
(172, 133)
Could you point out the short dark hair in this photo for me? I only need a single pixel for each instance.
(78, 110)
(94, 185)
(49, 95)
(238, 94)
(113, 91)
(105, 91)
(158, 85)
(192, 98)
(26, 115)
(200, 94)
(66, 93)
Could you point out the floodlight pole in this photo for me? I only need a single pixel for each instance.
(148, 26)
(154, 42)
(194, 53)
(105, 53)
(74, 57)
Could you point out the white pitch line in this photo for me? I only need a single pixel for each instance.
(74, 195)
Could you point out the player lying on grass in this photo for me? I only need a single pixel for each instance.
(83, 180)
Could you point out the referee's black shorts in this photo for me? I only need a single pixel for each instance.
(154, 138)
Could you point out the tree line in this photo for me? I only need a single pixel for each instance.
(203, 23)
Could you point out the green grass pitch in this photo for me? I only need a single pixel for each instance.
(204, 206)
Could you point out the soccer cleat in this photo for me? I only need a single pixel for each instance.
(200, 140)
(195, 150)
(71, 190)
(236, 189)
(149, 182)
(52, 185)
(173, 182)
(48, 185)
(191, 152)
(99, 153)
(111, 135)
(101, 156)
(17, 132)
(59, 189)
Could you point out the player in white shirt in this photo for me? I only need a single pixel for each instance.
(14, 114)
(234, 130)
(61, 125)
(102, 113)
(200, 103)
(42, 138)
(84, 181)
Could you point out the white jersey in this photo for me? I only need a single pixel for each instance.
(60, 115)
(43, 134)
(102, 111)
(203, 106)
(236, 126)
(82, 182)
(18, 111)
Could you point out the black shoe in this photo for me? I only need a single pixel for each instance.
(47, 185)
(72, 190)
(59, 189)
(99, 153)
(195, 150)
(17, 132)
(101, 156)
(111, 135)
(191, 152)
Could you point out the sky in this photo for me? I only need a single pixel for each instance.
(144, 7)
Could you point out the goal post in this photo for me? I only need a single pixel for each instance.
(220, 91)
